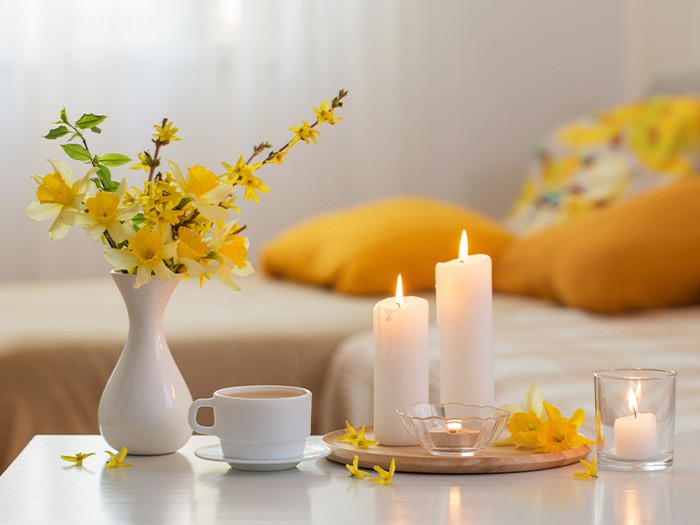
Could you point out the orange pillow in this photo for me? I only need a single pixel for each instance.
(641, 253)
(361, 250)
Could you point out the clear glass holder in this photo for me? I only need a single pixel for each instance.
(635, 418)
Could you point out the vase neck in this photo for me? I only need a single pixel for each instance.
(147, 302)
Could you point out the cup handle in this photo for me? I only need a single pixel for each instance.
(192, 416)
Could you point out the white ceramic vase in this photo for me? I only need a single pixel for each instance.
(144, 405)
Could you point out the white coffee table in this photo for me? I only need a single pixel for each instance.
(180, 488)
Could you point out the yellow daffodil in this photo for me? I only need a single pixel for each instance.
(542, 427)
(166, 134)
(117, 460)
(58, 196)
(106, 214)
(230, 250)
(591, 469)
(533, 403)
(560, 433)
(524, 428)
(304, 132)
(325, 114)
(190, 244)
(384, 476)
(78, 458)
(146, 252)
(355, 472)
(204, 187)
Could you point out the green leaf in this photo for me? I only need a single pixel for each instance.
(113, 159)
(105, 177)
(56, 133)
(89, 120)
(76, 152)
(138, 219)
(95, 129)
(64, 117)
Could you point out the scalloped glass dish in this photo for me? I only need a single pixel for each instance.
(453, 429)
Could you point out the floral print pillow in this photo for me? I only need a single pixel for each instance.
(608, 156)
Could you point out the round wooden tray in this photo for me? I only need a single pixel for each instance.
(417, 459)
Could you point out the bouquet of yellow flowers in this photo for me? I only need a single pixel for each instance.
(177, 223)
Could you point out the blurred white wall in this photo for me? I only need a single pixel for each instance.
(447, 98)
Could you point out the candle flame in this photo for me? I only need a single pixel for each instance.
(454, 426)
(463, 246)
(632, 402)
(399, 291)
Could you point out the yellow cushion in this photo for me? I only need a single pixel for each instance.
(361, 250)
(641, 253)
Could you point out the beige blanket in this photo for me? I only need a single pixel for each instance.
(59, 342)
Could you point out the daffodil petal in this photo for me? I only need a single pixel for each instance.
(162, 271)
(121, 259)
(578, 417)
(64, 170)
(552, 411)
(58, 229)
(213, 213)
(534, 400)
(40, 212)
(143, 276)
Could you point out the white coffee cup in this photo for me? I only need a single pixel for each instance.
(258, 422)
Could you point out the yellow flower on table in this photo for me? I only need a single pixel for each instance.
(117, 460)
(525, 429)
(384, 476)
(356, 438)
(350, 435)
(362, 442)
(78, 458)
(355, 472)
(560, 433)
(591, 469)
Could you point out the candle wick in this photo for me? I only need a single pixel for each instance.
(635, 413)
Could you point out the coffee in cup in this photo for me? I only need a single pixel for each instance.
(258, 422)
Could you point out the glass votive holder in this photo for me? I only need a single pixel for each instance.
(635, 418)
(453, 429)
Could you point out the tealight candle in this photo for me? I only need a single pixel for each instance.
(635, 435)
(401, 368)
(454, 435)
(464, 317)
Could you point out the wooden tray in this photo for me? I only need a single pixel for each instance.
(417, 459)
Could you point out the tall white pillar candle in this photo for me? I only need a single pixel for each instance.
(465, 322)
(401, 368)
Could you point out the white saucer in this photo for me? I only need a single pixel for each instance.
(311, 451)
